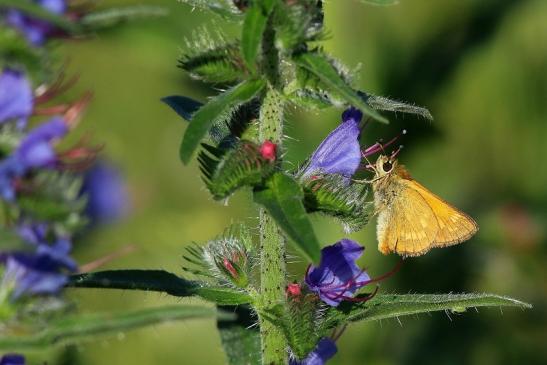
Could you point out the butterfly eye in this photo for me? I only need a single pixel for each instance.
(387, 166)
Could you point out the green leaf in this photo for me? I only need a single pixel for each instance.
(256, 18)
(36, 11)
(224, 8)
(110, 17)
(384, 306)
(213, 59)
(215, 111)
(182, 105)
(225, 171)
(77, 328)
(240, 338)
(158, 281)
(382, 103)
(331, 195)
(283, 198)
(380, 2)
(321, 67)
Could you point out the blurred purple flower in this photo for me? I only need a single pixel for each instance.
(325, 349)
(36, 31)
(43, 272)
(16, 98)
(340, 152)
(12, 359)
(107, 197)
(338, 277)
(59, 251)
(34, 151)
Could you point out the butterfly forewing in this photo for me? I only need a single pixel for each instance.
(407, 226)
(454, 225)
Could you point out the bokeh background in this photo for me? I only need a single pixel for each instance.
(479, 66)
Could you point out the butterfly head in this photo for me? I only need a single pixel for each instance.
(385, 165)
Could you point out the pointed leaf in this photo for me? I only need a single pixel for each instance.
(283, 198)
(224, 8)
(240, 338)
(380, 2)
(110, 17)
(77, 328)
(321, 67)
(36, 11)
(256, 17)
(182, 105)
(214, 111)
(385, 306)
(382, 103)
(158, 281)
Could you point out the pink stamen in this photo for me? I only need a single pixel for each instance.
(377, 147)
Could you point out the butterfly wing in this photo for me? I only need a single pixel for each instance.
(454, 225)
(407, 225)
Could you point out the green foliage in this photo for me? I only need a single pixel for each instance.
(111, 17)
(226, 170)
(224, 8)
(240, 337)
(385, 104)
(385, 306)
(332, 195)
(77, 328)
(227, 259)
(216, 111)
(298, 22)
(253, 28)
(213, 60)
(320, 66)
(380, 2)
(158, 281)
(300, 323)
(283, 198)
(54, 197)
(182, 105)
(15, 51)
(36, 11)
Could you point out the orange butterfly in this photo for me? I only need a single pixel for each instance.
(411, 219)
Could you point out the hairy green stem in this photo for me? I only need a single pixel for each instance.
(272, 245)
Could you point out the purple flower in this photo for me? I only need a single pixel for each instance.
(38, 273)
(325, 349)
(12, 359)
(16, 98)
(340, 152)
(59, 251)
(107, 198)
(34, 151)
(338, 277)
(36, 31)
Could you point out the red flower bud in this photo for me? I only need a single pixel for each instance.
(268, 150)
(293, 290)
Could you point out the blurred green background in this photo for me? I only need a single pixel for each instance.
(479, 66)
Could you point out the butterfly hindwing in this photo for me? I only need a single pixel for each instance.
(454, 225)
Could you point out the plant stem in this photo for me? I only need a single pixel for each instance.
(272, 245)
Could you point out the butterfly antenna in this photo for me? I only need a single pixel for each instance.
(396, 152)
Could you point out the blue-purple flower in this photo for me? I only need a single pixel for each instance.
(16, 98)
(107, 198)
(36, 31)
(337, 277)
(35, 151)
(39, 273)
(340, 152)
(12, 359)
(325, 349)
